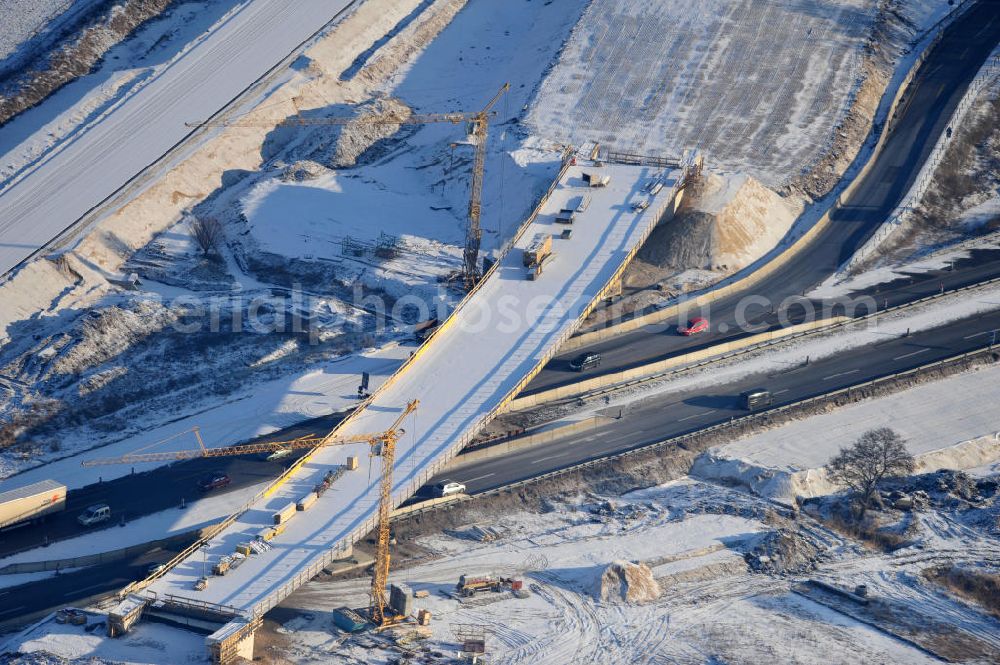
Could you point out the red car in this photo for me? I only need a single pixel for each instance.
(694, 327)
(214, 482)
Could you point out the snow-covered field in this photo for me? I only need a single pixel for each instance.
(712, 609)
(25, 19)
(267, 407)
(951, 423)
(759, 87)
(148, 644)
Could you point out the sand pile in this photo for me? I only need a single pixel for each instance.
(726, 224)
(630, 582)
(782, 551)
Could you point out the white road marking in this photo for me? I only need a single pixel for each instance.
(539, 461)
(86, 588)
(978, 334)
(781, 392)
(696, 415)
(910, 355)
(12, 610)
(472, 480)
(834, 376)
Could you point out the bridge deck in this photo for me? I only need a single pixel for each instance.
(490, 347)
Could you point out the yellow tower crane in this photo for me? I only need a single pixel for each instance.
(382, 445)
(479, 127)
(385, 448)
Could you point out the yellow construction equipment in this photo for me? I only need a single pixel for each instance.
(308, 441)
(478, 128)
(382, 445)
(385, 447)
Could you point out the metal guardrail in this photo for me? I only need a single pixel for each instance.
(774, 342)
(987, 74)
(734, 423)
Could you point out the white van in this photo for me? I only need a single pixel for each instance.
(95, 515)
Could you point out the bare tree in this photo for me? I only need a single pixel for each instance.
(207, 232)
(878, 454)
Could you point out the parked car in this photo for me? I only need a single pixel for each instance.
(448, 487)
(585, 361)
(694, 327)
(214, 482)
(95, 515)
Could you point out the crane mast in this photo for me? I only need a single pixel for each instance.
(479, 130)
(385, 447)
(474, 233)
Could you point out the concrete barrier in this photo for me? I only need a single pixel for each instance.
(677, 309)
(663, 366)
(529, 441)
(102, 557)
(421, 506)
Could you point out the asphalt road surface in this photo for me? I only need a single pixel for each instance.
(66, 589)
(681, 413)
(162, 488)
(59, 189)
(939, 85)
(923, 117)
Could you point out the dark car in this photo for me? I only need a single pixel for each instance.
(585, 361)
(214, 482)
(758, 398)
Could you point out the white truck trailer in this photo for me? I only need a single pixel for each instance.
(32, 502)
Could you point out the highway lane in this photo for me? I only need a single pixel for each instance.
(59, 190)
(68, 589)
(937, 89)
(680, 413)
(129, 497)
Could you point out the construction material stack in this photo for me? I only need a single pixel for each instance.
(537, 254)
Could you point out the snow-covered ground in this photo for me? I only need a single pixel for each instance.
(760, 87)
(147, 644)
(694, 537)
(951, 423)
(260, 410)
(24, 19)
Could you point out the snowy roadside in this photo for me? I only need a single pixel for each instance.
(257, 411)
(722, 585)
(785, 462)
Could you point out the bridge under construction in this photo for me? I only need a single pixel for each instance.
(594, 219)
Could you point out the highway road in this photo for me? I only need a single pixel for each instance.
(131, 497)
(937, 89)
(61, 188)
(68, 589)
(684, 412)
(675, 414)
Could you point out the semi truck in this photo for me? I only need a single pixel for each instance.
(470, 585)
(31, 503)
